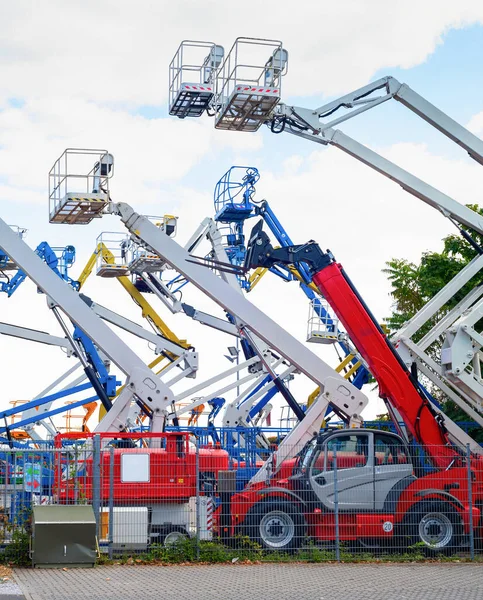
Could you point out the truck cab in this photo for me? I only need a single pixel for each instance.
(356, 485)
(356, 468)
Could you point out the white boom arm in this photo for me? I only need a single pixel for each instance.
(33, 335)
(347, 400)
(412, 184)
(142, 384)
(247, 106)
(363, 99)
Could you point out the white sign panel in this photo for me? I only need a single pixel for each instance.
(134, 468)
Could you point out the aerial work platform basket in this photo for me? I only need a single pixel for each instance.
(192, 78)
(112, 254)
(233, 194)
(79, 186)
(249, 83)
(142, 259)
(322, 328)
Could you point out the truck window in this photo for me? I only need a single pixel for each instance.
(350, 450)
(389, 450)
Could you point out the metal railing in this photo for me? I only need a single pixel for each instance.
(177, 495)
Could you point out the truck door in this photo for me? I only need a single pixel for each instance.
(354, 456)
(392, 464)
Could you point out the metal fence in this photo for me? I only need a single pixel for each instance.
(349, 494)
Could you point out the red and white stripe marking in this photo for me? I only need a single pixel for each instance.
(196, 88)
(209, 514)
(258, 90)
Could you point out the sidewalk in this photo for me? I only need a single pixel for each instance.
(9, 589)
(444, 581)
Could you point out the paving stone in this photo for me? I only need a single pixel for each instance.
(445, 581)
(9, 590)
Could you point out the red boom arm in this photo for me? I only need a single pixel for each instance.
(393, 379)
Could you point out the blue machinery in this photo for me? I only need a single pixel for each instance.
(234, 204)
(60, 260)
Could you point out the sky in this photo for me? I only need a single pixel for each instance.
(95, 75)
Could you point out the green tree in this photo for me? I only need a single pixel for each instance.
(413, 285)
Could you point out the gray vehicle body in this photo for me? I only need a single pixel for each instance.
(359, 469)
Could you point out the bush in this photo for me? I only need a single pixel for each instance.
(17, 552)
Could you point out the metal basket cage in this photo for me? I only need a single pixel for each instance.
(192, 74)
(79, 185)
(249, 82)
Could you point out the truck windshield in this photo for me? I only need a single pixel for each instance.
(306, 456)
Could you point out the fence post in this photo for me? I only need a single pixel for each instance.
(16, 498)
(198, 520)
(336, 509)
(6, 481)
(51, 455)
(96, 479)
(58, 467)
(111, 500)
(76, 474)
(470, 502)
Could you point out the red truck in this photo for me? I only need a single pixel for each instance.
(366, 480)
(151, 491)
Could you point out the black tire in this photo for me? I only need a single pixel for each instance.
(435, 526)
(276, 525)
(167, 535)
(478, 529)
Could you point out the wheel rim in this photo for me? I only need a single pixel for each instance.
(172, 537)
(436, 530)
(277, 529)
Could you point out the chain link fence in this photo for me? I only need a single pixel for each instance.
(345, 495)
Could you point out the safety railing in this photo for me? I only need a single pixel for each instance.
(79, 185)
(192, 77)
(322, 328)
(249, 83)
(142, 259)
(233, 193)
(113, 254)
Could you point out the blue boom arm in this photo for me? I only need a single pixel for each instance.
(234, 204)
(58, 259)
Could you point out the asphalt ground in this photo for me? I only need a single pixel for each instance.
(427, 581)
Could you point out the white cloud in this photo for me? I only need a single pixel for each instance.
(476, 124)
(147, 150)
(149, 153)
(82, 68)
(118, 52)
(363, 218)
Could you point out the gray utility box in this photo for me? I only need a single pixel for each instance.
(63, 535)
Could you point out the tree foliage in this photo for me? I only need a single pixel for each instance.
(414, 284)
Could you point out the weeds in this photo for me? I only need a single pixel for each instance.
(188, 550)
(17, 552)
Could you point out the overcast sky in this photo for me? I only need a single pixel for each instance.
(94, 74)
